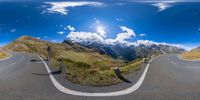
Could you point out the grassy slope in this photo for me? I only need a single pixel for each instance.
(83, 65)
(3, 55)
(192, 55)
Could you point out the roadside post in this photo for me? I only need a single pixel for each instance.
(49, 53)
(62, 67)
(120, 76)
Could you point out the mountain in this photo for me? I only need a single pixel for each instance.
(196, 49)
(83, 65)
(129, 53)
(90, 63)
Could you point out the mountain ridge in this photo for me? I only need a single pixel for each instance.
(131, 52)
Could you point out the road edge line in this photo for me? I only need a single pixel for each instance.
(106, 94)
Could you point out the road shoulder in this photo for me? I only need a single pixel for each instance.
(125, 91)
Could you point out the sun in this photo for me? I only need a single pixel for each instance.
(101, 30)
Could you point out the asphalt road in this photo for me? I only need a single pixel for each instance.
(168, 78)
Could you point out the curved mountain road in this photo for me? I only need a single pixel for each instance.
(168, 78)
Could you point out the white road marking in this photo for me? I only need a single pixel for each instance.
(13, 63)
(115, 93)
(163, 51)
(193, 67)
(173, 63)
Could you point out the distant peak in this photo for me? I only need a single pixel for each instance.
(69, 42)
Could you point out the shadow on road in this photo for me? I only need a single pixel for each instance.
(34, 60)
(53, 73)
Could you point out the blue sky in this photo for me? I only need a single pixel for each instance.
(173, 22)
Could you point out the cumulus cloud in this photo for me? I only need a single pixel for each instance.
(121, 38)
(61, 7)
(88, 37)
(126, 34)
(101, 31)
(98, 36)
(70, 28)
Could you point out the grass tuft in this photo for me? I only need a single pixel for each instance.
(4, 55)
(192, 55)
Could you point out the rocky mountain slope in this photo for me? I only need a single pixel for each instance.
(129, 53)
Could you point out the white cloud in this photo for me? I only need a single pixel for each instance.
(142, 35)
(163, 5)
(85, 37)
(70, 28)
(99, 27)
(149, 43)
(13, 30)
(119, 19)
(190, 46)
(127, 33)
(97, 21)
(98, 36)
(61, 7)
(114, 42)
(101, 31)
(38, 37)
(61, 32)
(145, 42)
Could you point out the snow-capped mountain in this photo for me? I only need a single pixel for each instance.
(142, 48)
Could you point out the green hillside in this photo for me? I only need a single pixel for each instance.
(84, 66)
